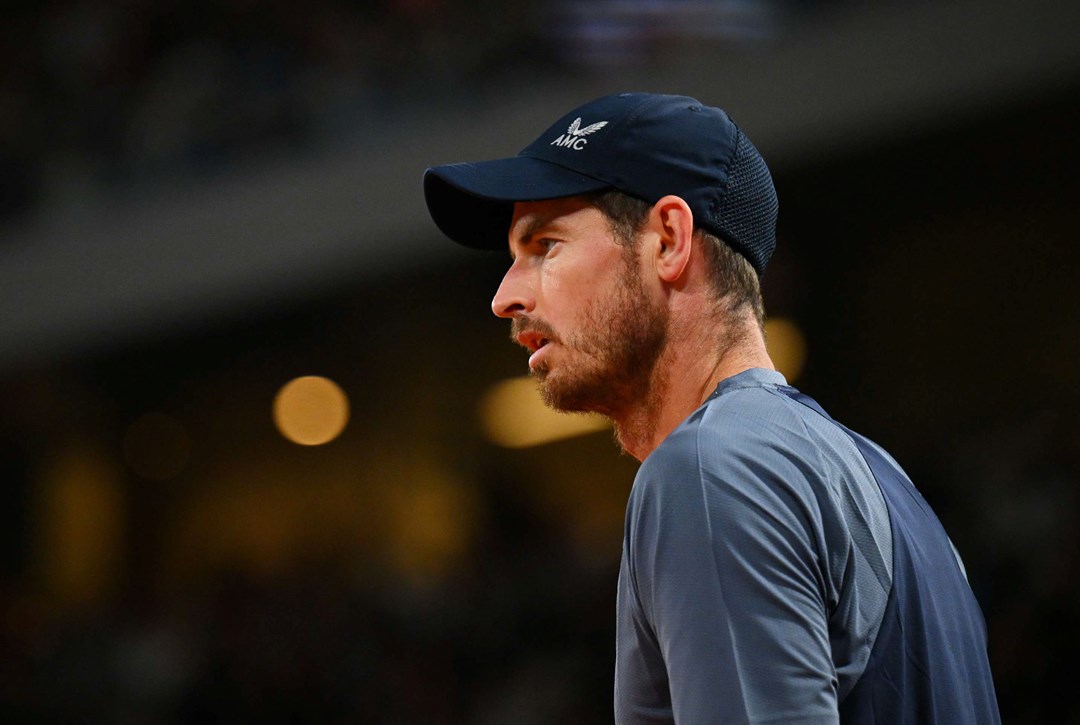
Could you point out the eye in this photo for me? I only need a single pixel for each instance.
(547, 244)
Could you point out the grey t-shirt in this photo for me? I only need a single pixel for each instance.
(756, 567)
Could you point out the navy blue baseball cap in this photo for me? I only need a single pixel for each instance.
(643, 144)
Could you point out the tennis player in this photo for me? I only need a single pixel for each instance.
(777, 566)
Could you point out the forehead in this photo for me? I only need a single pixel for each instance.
(565, 215)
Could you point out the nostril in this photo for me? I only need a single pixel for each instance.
(510, 310)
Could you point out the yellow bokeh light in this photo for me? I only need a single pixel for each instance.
(311, 410)
(787, 347)
(79, 533)
(514, 416)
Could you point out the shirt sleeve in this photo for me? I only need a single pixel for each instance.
(726, 573)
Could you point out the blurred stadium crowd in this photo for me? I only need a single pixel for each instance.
(118, 93)
(519, 629)
(522, 634)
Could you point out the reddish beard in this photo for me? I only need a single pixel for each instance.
(608, 363)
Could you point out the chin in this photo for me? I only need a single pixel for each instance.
(572, 396)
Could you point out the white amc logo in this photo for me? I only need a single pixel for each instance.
(575, 135)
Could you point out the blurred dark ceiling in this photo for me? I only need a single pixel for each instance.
(87, 273)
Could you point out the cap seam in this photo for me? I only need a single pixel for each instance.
(564, 166)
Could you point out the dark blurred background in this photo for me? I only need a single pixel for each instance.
(214, 252)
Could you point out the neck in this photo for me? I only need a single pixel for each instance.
(685, 376)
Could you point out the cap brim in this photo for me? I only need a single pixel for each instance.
(472, 203)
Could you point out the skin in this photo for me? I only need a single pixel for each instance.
(634, 334)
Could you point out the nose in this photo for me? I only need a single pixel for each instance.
(515, 295)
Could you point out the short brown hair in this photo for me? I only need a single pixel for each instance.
(733, 277)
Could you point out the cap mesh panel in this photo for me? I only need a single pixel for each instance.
(747, 211)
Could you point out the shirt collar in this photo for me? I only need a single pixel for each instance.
(751, 378)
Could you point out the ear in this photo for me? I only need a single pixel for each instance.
(673, 223)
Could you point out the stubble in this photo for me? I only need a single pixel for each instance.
(614, 366)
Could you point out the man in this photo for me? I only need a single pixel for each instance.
(777, 567)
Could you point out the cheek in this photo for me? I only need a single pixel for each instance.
(576, 281)
(558, 288)
(575, 271)
(568, 297)
(557, 285)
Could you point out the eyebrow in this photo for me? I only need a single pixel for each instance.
(538, 222)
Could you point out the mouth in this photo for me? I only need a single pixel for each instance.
(532, 341)
(535, 342)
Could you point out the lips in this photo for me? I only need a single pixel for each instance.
(534, 359)
(535, 335)
(532, 341)
(535, 342)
